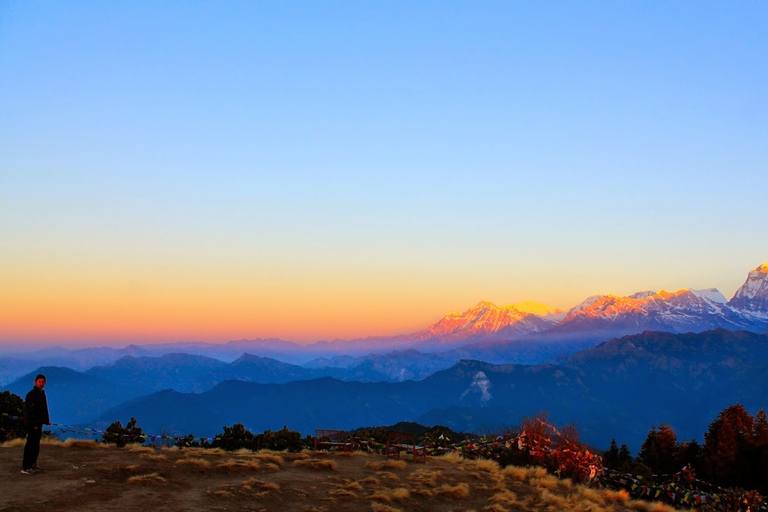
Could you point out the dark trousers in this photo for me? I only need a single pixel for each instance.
(32, 448)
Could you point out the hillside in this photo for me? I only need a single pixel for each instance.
(85, 476)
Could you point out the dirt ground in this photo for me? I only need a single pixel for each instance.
(85, 476)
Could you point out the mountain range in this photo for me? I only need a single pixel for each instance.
(616, 389)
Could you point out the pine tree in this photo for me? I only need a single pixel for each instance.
(726, 445)
(625, 458)
(659, 450)
(760, 429)
(611, 456)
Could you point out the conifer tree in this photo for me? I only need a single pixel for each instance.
(611, 456)
(726, 447)
(625, 458)
(659, 450)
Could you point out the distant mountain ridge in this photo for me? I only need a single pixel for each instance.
(605, 316)
(524, 332)
(617, 389)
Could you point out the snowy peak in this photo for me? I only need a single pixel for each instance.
(753, 294)
(711, 294)
(603, 316)
(484, 320)
(679, 311)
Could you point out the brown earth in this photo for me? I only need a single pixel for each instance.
(86, 476)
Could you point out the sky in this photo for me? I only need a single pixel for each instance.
(210, 171)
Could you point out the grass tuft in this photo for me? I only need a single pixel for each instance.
(136, 447)
(489, 466)
(79, 443)
(150, 478)
(220, 493)
(380, 507)
(316, 464)
(394, 465)
(354, 486)
(453, 458)
(270, 457)
(14, 443)
(342, 493)
(154, 457)
(388, 495)
(505, 496)
(194, 462)
(370, 480)
(425, 477)
(459, 491)
(236, 464)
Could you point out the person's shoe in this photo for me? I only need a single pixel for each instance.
(37, 468)
(27, 472)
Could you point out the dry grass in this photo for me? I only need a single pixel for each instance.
(270, 457)
(644, 506)
(453, 458)
(316, 464)
(79, 443)
(249, 484)
(221, 493)
(425, 477)
(548, 482)
(14, 443)
(193, 462)
(459, 491)
(380, 507)
(135, 447)
(154, 457)
(342, 493)
(150, 478)
(489, 466)
(506, 497)
(238, 464)
(393, 465)
(389, 495)
(370, 480)
(349, 483)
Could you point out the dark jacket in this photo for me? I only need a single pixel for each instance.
(36, 405)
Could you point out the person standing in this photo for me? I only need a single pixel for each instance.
(36, 415)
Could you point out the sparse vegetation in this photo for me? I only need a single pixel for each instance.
(316, 464)
(11, 407)
(121, 436)
(200, 479)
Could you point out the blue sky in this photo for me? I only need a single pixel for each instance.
(391, 161)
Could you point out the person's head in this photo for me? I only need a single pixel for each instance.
(40, 381)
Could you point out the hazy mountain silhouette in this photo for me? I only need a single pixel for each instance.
(617, 389)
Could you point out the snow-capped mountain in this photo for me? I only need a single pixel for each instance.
(681, 311)
(752, 297)
(604, 316)
(487, 320)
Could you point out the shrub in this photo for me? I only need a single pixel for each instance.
(11, 405)
(121, 436)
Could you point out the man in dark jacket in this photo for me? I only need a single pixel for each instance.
(36, 415)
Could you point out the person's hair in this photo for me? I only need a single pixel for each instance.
(40, 376)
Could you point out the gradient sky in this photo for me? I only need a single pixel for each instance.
(311, 170)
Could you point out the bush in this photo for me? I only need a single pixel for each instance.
(11, 405)
(121, 436)
(237, 437)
